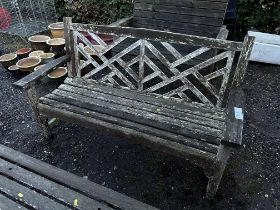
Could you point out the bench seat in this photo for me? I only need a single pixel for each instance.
(195, 128)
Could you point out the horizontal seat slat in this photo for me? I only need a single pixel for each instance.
(157, 100)
(142, 117)
(151, 136)
(52, 189)
(142, 105)
(30, 197)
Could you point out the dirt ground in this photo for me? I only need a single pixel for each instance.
(251, 179)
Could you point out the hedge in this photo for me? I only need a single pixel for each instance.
(263, 15)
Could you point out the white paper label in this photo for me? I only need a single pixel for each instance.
(238, 113)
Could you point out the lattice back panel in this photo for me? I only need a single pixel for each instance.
(183, 71)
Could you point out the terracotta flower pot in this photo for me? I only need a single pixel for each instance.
(57, 29)
(14, 70)
(8, 60)
(23, 52)
(28, 64)
(47, 57)
(39, 42)
(57, 46)
(36, 53)
(58, 74)
(38, 67)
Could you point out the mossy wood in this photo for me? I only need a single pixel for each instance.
(165, 104)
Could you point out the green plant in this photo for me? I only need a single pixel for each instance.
(263, 15)
(95, 11)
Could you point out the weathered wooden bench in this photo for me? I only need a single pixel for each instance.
(28, 183)
(182, 111)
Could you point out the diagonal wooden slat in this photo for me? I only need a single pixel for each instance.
(189, 71)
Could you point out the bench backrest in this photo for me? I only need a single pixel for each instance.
(163, 76)
(195, 17)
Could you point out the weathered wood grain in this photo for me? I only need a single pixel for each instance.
(79, 184)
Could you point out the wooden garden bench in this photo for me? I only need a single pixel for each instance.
(28, 183)
(179, 110)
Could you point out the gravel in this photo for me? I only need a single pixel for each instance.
(251, 179)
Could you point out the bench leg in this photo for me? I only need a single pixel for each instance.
(214, 180)
(43, 121)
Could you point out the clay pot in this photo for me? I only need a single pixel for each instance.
(57, 46)
(14, 70)
(28, 64)
(36, 53)
(23, 52)
(57, 30)
(99, 48)
(38, 67)
(39, 42)
(8, 60)
(47, 57)
(58, 74)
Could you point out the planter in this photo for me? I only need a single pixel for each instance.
(23, 52)
(14, 70)
(46, 57)
(57, 30)
(57, 46)
(39, 42)
(38, 67)
(28, 64)
(266, 48)
(108, 39)
(8, 60)
(58, 74)
(36, 53)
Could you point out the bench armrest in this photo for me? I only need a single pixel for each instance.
(235, 116)
(27, 80)
(122, 22)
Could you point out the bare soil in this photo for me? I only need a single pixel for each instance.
(251, 179)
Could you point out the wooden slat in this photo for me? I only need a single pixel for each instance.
(145, 106)
(30, 197)
(193, 17)
(135, 129)
(7, 204)
(234, 126)
(170, 25)
(151, 119)
(74, 182)
(159, 36)
(157, 100)
(210, 5)
(55, 191)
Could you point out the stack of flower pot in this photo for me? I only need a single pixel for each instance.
(44, 49)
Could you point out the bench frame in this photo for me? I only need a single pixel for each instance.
(233, 126)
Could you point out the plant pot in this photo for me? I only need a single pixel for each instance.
(57, 46)
(58, 74)
(28, 64)
(38, 67)
(23, 52)
(36, 53)
(46, 57)
(14, 70)
(57, 30)
(8, 60)
(108, 39)
(39, 42)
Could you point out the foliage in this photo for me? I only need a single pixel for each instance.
(95, 11)
(263, 15)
